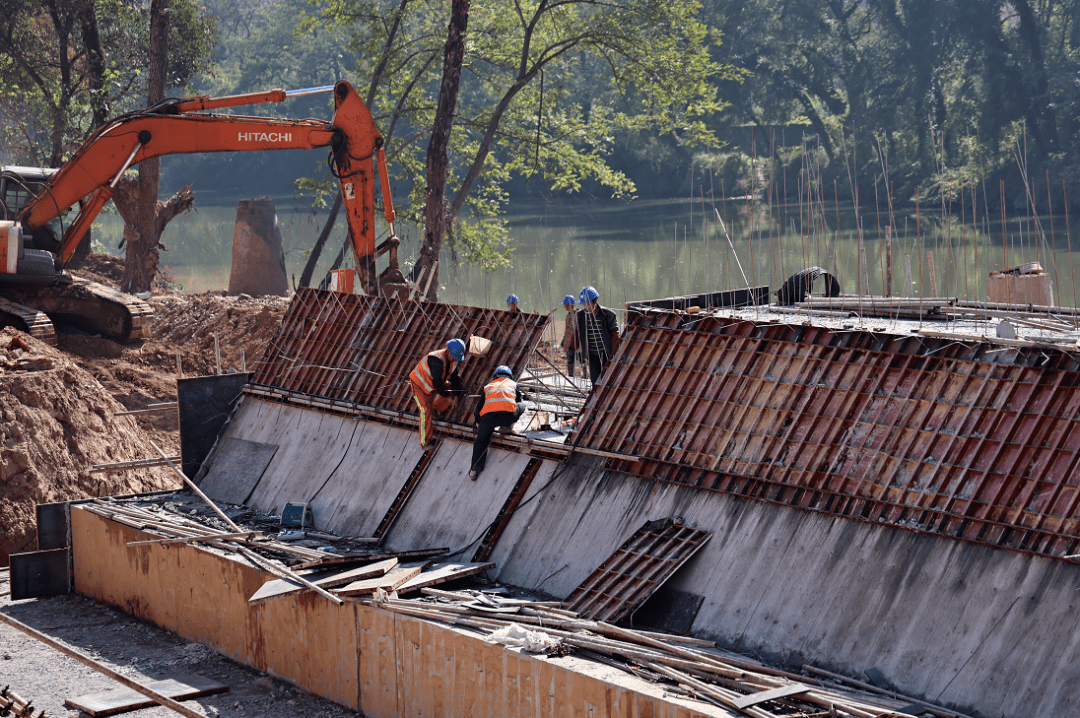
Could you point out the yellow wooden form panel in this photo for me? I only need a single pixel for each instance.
(410, 667)
(188, 591)
(305, 639)
(310, 641)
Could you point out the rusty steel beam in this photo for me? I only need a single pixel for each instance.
(360, 350)
(925, 431)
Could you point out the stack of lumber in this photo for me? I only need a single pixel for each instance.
(682, 663)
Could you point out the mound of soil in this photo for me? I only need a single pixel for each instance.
(58, 405)
(57, 422)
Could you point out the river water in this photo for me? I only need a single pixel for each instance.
(650, 249)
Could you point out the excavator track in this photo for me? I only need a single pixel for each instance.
(27, 319)
(87, 305)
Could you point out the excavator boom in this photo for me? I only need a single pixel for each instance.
(175, 128)
(182, 127)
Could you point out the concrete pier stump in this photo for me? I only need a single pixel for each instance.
(258, 259)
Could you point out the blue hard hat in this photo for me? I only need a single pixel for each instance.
(457, 349)
(512, 299)
(503, 370)
(568, 299)
(588, 294)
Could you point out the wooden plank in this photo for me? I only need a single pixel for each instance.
(332, 560)
(388, 583)
(770, 695)
(281, 587)
(442, 573)
(122, 700)
(372, 570)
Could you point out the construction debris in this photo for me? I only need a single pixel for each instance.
(13, 704)
(122, 700)
(329, 573)
(101, 668)
(697, 672)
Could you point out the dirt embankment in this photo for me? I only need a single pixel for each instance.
(59, 405)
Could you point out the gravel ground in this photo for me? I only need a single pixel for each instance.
(138, 650)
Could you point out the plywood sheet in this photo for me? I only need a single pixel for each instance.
(122, 700)
(235, 468)
(441, 573)
(753, 699)
(281, 587)
(388, 583)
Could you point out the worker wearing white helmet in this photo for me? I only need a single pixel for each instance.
(499, 405)
(597, 332)
(435, 382)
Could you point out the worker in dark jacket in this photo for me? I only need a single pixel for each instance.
(597, 333)
(512, 303)
(435, 381)
(569, 339)
(498, 405)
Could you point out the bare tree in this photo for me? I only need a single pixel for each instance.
(137, 200)
(436, 215)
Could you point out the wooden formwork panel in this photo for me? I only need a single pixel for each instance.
(959, 438)
(360, 350)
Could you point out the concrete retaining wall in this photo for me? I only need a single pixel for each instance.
(985, 630)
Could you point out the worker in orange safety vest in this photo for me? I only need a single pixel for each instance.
(498, 405)
(434, 381)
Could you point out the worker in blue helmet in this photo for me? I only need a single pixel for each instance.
(569, 337)
(597, 332)
(435, 384)
(499, 405)
(512, 303)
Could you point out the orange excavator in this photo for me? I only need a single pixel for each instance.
(35, 247)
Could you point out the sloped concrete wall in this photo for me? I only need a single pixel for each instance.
(351, 471)
(982, 629)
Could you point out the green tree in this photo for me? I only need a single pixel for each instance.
(646, 62)
(67, 65)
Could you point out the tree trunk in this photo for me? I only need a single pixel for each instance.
(143, 234)
(316, 251)
(127, 197)
(99, 95)
(313, 258)
(438, 156)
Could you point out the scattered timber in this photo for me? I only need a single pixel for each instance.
(102, 668)
(137, 464)
(707, 675)
(150, 409)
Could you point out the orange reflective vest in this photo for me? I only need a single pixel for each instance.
(500, 395)
(422, 373)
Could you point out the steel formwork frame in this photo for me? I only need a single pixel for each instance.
(358, 349)
(959, 438)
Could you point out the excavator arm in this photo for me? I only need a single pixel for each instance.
(183, 127)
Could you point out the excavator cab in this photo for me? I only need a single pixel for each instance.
(19, 185)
